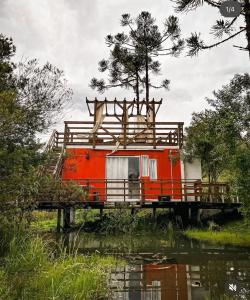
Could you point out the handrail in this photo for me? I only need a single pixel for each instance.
(59, 164)
(55, 142)
(144, 190)
(125, 133)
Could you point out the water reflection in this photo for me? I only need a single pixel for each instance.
(163, 268)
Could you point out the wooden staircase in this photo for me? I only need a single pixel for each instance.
(55, 151)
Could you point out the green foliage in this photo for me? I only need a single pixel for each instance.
(243, 179)
(212, 226)
(30, 97)
(123, 221)
(53, 189)
(220, 137)
(132, 55)
(223, 30)
(204, 142)
(57, 275)
(43, 220)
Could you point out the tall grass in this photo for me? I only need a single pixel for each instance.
(34, 270)
(236, 233)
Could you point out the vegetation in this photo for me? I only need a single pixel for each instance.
(58, 275)
(236, 233)
(43, 221)
(223, 30)
(114, 221)
(30, 97)
(133, 54)
(219, 136)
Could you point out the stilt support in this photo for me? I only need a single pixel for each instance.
(195, 215)
(68, 217)
(154, 212)
(101, 213)
(181, 215)
(59, 217)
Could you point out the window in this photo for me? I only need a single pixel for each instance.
(153, 169)
(144, 165)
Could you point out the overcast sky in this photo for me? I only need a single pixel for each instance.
(70, 34)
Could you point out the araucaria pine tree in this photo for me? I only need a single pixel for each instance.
(133, 54)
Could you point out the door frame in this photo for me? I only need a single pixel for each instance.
(126, 199)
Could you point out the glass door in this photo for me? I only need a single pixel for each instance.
(122, 173)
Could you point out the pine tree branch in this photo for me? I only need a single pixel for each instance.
(213, 3)
(241, 48)
(223, 41)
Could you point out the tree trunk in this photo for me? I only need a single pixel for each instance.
(137, 93)
(247, 19)
(147, 80)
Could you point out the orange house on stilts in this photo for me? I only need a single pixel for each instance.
(125, 155)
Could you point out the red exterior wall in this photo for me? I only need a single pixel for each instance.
(90, 164)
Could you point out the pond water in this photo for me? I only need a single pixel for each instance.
(167, 266)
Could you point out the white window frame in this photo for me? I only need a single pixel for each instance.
(153, 169)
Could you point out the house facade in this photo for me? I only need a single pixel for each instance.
(124, 155)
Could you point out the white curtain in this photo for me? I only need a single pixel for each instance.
(99, 118)
(116, 168)
(153, 169)
(144, 165)
(150, 131)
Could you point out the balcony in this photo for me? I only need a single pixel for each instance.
(123, 134)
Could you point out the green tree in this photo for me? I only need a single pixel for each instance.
(124, 70)
(140, 46)
(203, 141)
(220, 136)
(30, 96)
(223, 30)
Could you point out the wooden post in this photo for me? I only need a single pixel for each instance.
(185, 192)
(68, 217)
(94, 135)
(154, 135)
(65, 139)
(101, 213)
(194, 215)
(180, 136)
(124, 124)
(142, 192)
(222, 195)
(154, 212)
(56, 139)
(59, 217)
(124, 189)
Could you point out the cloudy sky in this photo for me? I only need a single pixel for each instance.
(70, 34)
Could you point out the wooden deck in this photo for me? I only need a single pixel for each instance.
(118, 205)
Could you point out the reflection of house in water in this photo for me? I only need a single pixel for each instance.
(159, 282)
(203, 271)
(165, 281)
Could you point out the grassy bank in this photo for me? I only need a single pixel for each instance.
(235, 233)
(33, 269)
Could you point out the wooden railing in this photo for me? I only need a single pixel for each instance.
(55, 141)
(124, 133)
(143, 191)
